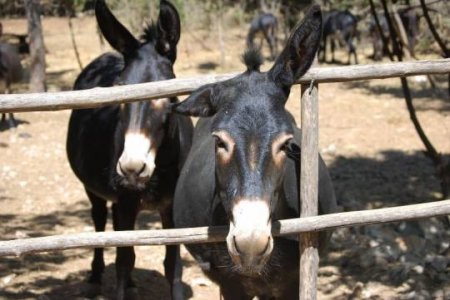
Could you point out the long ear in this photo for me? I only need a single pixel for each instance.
(169, 29)
(199, 104)
(114, 32)
(298, 55)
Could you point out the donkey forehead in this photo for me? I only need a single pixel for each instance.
(147, 65)
(250, 92)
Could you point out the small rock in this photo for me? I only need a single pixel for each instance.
(25, 135)
(438, 262)
(374, 243)
(21, 234)
(357, 291)
(418, 269)
(7, 279)
(201, 281)
(331, 149)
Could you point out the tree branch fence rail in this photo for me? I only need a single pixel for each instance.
(121, 94)
(309, 224)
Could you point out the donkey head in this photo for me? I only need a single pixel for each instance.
(142, 124)
(253, 137)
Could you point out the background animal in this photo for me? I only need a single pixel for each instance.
(410, 20)
(11, 71)
(377, 43)
(265, 24)
(130, 154)
(243, 171)
(339, 27)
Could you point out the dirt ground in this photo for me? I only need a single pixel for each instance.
(366, 138)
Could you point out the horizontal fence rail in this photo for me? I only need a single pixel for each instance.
(120, 94)
(217, 234)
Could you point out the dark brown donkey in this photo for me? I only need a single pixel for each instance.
(265, 24)
(131, 154)
(243, 171)
(11, 71)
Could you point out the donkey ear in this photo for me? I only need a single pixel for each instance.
(199, 104)
(114, 32)
(169, 29)
(298, 55)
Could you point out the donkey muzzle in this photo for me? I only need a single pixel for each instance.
(137, 160)
(249, 240)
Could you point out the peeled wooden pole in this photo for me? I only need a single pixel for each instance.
(215, 234)
(103, 96)
(309, 186)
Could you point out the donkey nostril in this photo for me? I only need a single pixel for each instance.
(267, 246)
(142, 169)
(236, 245)
(121, 169)
(129, 168)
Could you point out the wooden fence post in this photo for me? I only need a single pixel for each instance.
(309, 184)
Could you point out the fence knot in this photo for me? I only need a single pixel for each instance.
(311, 84)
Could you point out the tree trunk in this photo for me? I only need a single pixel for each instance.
(37, 48)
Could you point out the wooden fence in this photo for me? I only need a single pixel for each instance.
(309, 223)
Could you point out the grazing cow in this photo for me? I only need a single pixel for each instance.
(243, 171)
(11, 71)
(131, 154)
(341, 27)
(267, 25)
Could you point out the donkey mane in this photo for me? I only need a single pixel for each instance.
(253, 59)
(150, 33)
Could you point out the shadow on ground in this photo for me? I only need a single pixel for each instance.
(418, 91)
(150, 283)
(410, 258)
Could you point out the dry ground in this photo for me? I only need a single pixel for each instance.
(367, 140)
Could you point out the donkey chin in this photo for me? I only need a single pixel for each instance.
(132, 183)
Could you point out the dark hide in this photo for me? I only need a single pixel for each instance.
(267, 25)
(377, 43)
(340, 27)
(410, 21)
(11, 71)
(245, 152)
(97, 142)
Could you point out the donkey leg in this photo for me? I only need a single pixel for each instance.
(124, 217)
(12, 122)
(324, 54)
(99, 214)
(351, 50)
(333, 47)
(173, 267)
(269, 38)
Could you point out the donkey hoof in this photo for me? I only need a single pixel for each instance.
(132, 293)
(92, 290)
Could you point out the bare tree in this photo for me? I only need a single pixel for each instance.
(37, 48)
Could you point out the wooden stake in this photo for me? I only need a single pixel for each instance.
(309, 185)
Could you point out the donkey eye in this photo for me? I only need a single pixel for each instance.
(284, 147)
(220, 144)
